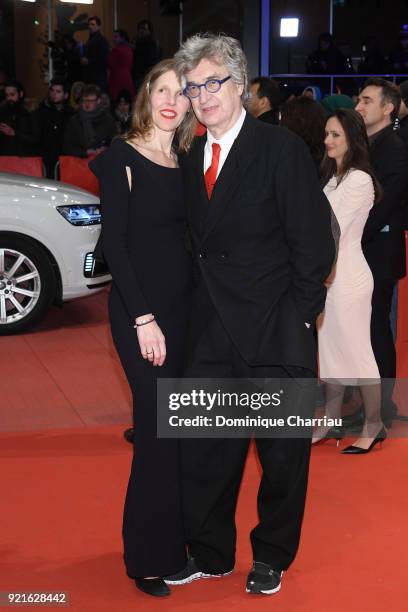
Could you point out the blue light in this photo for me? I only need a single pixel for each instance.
(265, 36)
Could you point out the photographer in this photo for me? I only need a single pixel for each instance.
(50, 121)
(91, 129)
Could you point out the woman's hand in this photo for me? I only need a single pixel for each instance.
(151, 341)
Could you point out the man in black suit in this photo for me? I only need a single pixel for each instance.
(261, 239)
(383, 239)
(95, 58)
(50, 120)
(264, 100)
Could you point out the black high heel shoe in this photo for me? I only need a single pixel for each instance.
(334, 433)
(357, 450)
(153, 586)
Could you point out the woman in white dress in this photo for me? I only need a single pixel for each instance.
(345, 353)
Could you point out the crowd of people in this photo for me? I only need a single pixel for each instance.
(121, 67)
(77, 120)
(80, 124)
(89, 100)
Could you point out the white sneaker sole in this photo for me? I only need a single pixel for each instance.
(266, 592)
(187, 580)
(217, 575)
(271, 592)
(195, 576)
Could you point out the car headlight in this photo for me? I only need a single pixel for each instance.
(81, 214)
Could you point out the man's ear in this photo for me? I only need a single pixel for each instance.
(263, 102)
(388, 108)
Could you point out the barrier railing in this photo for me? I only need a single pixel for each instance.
(75, 171)
(32, 166)
(332, 77)
(69, 169)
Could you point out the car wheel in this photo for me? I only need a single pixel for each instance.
(27, 283)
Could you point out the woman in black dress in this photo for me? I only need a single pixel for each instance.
(144, 230)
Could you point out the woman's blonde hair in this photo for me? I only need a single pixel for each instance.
(141, 124)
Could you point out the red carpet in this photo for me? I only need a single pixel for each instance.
(64, 472)
(62, 494)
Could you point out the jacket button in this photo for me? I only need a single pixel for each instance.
(202, 255)
(224, 255)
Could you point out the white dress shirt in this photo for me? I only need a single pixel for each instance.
(225, 143)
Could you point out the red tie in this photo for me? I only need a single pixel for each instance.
(211, 174)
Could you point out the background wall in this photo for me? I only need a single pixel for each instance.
(7, 36)
(355, 20)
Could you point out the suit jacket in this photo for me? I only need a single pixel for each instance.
(262, 245)
(383, 238)
(403, 130)
(403, 134)
(270, 116)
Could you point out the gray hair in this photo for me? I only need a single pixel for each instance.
(218, 47)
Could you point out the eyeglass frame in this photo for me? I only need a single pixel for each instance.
(219, 81)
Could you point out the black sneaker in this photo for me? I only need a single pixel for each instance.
(190, 573)
(186, 575)
(262, 579)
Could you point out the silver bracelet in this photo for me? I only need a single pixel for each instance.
(144, 322)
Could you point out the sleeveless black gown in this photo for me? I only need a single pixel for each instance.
(144, 233)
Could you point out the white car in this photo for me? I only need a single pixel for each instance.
(48, 231)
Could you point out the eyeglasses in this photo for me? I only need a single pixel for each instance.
(192, 90)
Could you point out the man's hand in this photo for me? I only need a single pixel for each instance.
(84, 61)
(7, 130)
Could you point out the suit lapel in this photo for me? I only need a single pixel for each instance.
(227, 182)
(229, 179)
(198, 203)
